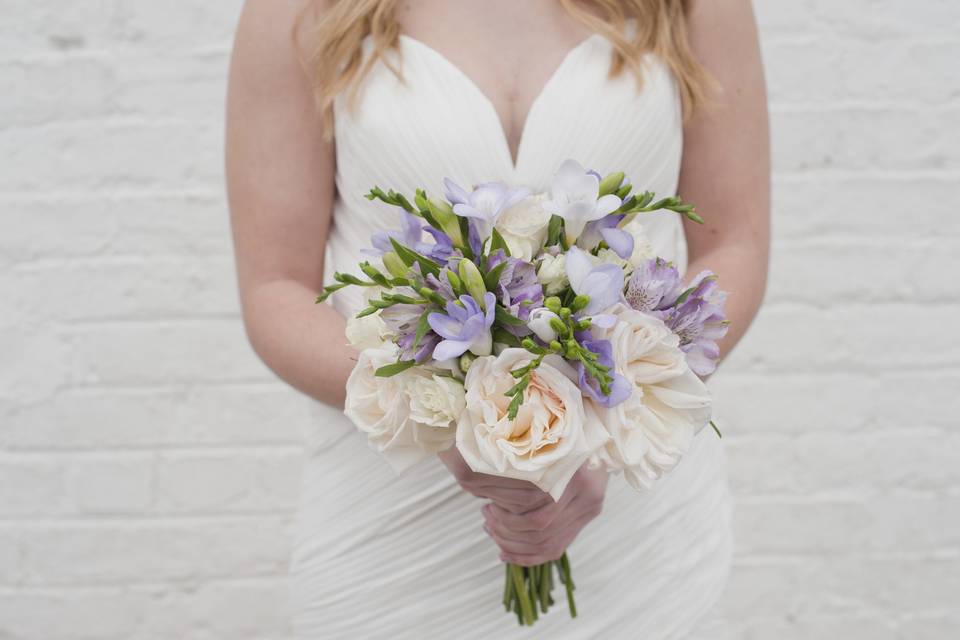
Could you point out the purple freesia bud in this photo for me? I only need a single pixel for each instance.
(620, 388)
(464, 327)
(653, 285)
(603, 283)
(700, 321)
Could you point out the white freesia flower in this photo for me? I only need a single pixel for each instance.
(380, 407)
(552, 273)
(524, 227)
(575, 197)
(653, 429)
(550, 438)
(539, 323)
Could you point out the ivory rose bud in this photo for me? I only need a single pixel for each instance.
(552, 435)
(552, 273)
(524, 227)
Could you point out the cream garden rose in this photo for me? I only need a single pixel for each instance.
(653, 429)
(552, 435)
(368, 332)
(524, 227)
(402, 415)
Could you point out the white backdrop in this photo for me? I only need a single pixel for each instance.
(149, 462)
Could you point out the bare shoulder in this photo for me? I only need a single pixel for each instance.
(265, 44)
(723, 35)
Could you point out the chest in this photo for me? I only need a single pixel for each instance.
(508, 50)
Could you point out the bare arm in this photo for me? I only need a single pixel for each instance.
(280, 186)
(726, 161)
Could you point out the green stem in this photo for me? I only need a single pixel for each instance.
(508, 589)
(521, 589)
(568, 583)
(545, 573)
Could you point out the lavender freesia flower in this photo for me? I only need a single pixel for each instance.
(402, 320)
(410, 235)
(575, 197)
(699, 321)
(464, 327)
(605, 229)
(653, 285)
(484, 204)
(603, 283)
(620, 387)
(518, 289)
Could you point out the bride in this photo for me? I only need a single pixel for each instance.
(329, 98)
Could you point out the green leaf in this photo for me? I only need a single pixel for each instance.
(684, 296)
(422, 327)
(388, 370)
(502, 336)
(504, 317)
(492, 276)
(497, 242)
(409, 256)
(465, 236)
(554, 228)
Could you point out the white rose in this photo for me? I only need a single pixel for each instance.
(368, 332)
(552, 273)
(552, 435)
(435, 400)
(653, 429)
(642, 249)
(380, 408)
(524, 227)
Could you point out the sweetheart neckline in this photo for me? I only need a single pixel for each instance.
(513, 162)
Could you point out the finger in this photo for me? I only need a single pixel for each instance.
(515, 501)
(536, 519)
(528, 537)
(514, 547)
(487, 480)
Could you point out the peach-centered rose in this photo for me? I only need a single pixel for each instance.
(551, 436)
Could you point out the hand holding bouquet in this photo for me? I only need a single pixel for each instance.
(536, 333)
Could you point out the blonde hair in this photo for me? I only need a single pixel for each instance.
(333, 57)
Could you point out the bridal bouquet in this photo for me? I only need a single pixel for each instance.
(536, 333)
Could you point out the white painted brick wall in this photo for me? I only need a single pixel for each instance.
(148, 461)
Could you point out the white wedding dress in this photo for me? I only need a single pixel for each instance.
(381, 556)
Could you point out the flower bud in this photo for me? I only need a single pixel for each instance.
(394, 265)
(580, 302)
(611, 183)
(552, 303)
(542, 321)
(473, 281)
(465, 361)
(448, 221)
